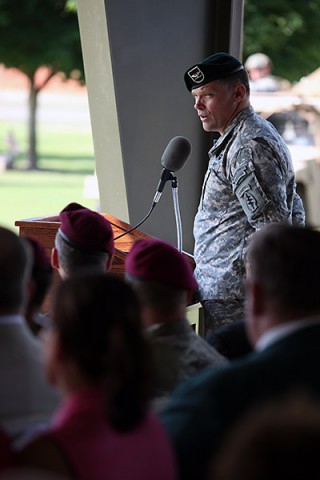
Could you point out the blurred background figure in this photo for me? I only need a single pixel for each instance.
(278, 441)
(12, 150)
(259, 68)
(96, 355)
(40, 282)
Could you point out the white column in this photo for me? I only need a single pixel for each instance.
(103, 111)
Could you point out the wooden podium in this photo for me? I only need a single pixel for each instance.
(44, 230)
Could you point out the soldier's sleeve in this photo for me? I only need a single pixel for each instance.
(259, 184)
(298, 213)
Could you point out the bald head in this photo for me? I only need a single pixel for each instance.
(285, 262)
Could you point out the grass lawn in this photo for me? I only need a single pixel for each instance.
(65, 159)
(31, 194)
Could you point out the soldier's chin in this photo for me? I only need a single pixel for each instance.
(206, 127)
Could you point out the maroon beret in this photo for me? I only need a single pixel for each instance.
(86, 230)
(40, 257)
(158, 261)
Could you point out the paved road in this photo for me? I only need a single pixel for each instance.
(53, 108)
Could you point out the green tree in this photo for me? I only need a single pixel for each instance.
(287, 31)
(37, 33)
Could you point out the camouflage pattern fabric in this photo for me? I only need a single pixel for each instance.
(178, 353)
(218, 313)
(249, 182)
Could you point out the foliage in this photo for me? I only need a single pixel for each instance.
(287, 31)
(37, 33)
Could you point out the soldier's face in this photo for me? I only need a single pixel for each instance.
(215, 105)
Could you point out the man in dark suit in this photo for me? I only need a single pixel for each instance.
(283, 323)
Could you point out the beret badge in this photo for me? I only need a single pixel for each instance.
(196, 75)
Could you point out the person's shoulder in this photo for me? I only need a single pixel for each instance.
(198, 343)
(203, 384)
(257, 132)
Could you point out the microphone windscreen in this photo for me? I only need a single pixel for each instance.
(176, 153)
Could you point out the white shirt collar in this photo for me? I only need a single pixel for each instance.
(16, 319)
(280, 331)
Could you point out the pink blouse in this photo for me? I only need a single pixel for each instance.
(95, 451)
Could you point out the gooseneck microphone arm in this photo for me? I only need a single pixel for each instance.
(165, 176)
(138, 224)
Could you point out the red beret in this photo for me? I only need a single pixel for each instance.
(40, 257)
(158, 261)
(85, 229)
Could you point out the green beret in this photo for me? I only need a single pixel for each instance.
(215, 67)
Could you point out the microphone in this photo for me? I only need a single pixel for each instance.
(173, 158)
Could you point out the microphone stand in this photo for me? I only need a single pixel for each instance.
(174, 185)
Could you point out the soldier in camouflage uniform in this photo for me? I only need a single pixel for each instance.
(164, 282)
(249, 182)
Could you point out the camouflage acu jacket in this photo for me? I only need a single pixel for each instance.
(249, 182)
(178, 353)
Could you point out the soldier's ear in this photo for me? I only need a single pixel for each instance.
(239, 92)
(109, 263)
(54, 258)
(189, 296)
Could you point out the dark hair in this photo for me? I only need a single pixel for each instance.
(97, 317)
(15, 266)
(74, 260)
(285, 261)
(240, 77)
(42, 276)
(166, 299)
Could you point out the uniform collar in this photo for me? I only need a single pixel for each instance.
(280, 331)
(172, 328)
(241, 116)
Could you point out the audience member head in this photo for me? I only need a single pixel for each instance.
(162, 278)
(283, 276)
(97, 341)
(258, 65)
(83, 241)
(278, 441)
(41, 279)
(15, 269)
